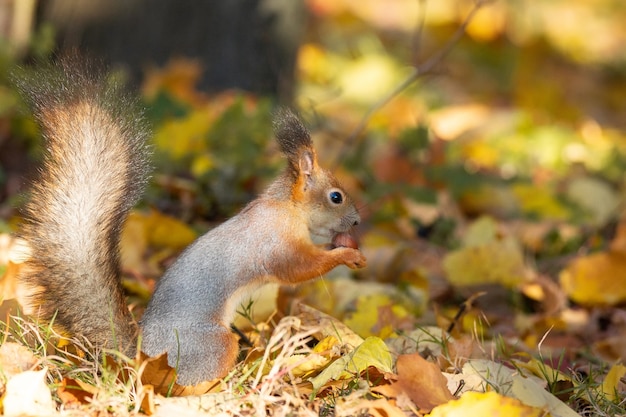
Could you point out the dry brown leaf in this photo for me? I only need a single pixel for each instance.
(384, 408)
(612, 348)
(15, 359)
(328, 325)
(158, 374)
(422, 381)
(147, 400)
(547, 293)
(13, 253)
(71, 393)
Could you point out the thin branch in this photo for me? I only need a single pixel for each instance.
(419, 71)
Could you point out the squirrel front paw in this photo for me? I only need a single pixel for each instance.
(352, 258)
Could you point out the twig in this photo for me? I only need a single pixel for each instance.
(419, 71)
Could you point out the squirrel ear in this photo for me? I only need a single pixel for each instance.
(307, 165)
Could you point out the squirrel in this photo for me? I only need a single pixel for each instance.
(94, 171)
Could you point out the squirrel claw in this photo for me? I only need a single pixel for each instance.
(353, 258)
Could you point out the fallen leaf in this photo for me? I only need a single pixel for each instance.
(153, 229)
(482, 375)
(71, 393)
(531, 393)
(147, 399)
(384, 408)
(28, 394)
(157, 373)
(497, 262)
(611, 380)
(595, 196)
(488, 256)
(540, 201)
(15, 359)
(378, 315)
(328, 325)
(371, 353)
(422, 381)
(486, 404)
(303, 365)
(596, 280)
(167, 231)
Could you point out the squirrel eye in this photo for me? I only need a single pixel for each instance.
(336, 197)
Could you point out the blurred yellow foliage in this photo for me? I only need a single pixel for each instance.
(178, 78)
(539, 201)
(366, 320)
(487, 257)
(489, 22)
(369, 77)
(184, 136)
(597, 279)
(153, 229)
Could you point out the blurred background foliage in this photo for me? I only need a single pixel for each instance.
(432, 113)
(527, 103)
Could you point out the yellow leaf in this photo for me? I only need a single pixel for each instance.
(134, 244)
(372, 352)
(597, 279)
(488, 256)
(202, 164)
(326, 344)
(542, 370)
(301, 365)
(486, 404)
(481, 232)
(366, 320)
(611, 381)
(492, 263)
(492, 199)
(539, 201)
(155, 229)
(479, 375)
(181, 137)
(167, 231)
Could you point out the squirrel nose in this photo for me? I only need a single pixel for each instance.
(356, 223)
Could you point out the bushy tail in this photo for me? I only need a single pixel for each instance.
(93, 172)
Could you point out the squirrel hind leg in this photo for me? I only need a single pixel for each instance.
(198, 354)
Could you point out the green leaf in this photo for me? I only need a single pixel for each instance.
(372, 352)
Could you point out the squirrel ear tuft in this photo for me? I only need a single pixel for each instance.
(291, 134)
